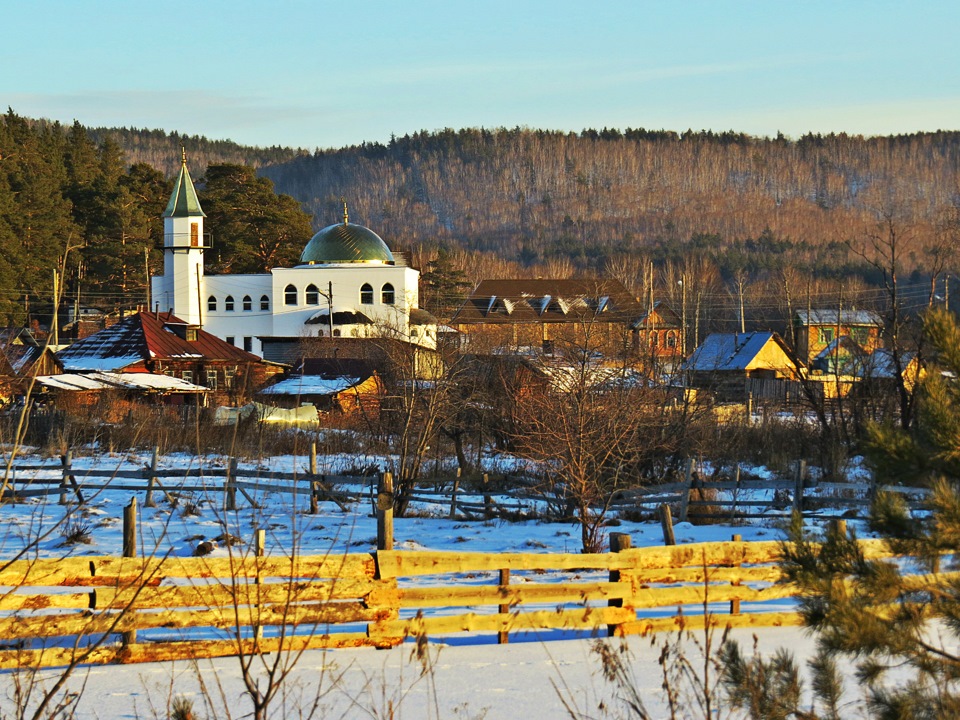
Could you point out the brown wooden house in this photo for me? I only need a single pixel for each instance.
(162, 344)
(548, 314)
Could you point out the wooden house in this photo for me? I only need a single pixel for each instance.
(331, 385)
(548, 315)
(22, 357)
(658, 334)
(725, 362)
(818, 329)
(162, 344)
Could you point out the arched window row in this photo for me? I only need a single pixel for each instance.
(247, 303)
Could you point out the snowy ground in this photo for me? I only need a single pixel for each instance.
(531, 678)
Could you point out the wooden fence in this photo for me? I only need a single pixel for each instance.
(105, 609)
(481, 497)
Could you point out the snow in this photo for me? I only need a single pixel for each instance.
(115, 381)
(532, 677)
(311, 385)
(93, 364)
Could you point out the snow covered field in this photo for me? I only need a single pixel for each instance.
(470, 677)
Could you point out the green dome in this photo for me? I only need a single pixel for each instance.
(346, 243)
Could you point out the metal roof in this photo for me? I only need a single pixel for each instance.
(847, 318)
(183, 200)
(729, 351)
(547, 300)
(346, 243)
(138, 382)
(147, 336)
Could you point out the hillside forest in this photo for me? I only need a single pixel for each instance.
(747, 229)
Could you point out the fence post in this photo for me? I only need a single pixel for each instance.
(487, 500)
(259, 545)
(798, 486)
(618, 543)
(666, 522)
(230, 488)
(148, 501)
(65, 460)
(453, 496)
(314, 486)
(129, 551)
(503, 637)
(735, 603)
(385, 513)
(687, 484)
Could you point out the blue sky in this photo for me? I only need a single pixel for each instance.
(325, 74)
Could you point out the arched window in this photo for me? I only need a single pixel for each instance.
(228, 303)
(366, 294)
(212, 304)
(264, 302)
(290, 295)
(247, 303)
(387, 294)
(313, 295)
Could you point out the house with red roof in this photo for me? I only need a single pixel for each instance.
(160, 343)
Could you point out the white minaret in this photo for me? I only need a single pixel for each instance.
(181, 286)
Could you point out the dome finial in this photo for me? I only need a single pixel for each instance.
(346, 217)
(183, 154)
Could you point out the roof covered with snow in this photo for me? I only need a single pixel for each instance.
(138, 382)
(147, 336)
(730, 351)
(548, 300)
(847, 318)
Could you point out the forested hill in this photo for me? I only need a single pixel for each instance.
(532, 196)
(162, 150)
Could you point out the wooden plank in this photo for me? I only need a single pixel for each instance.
(13, 602)
(503, 622)
(749, 574)
(225, 594)
(114, 570)
(405, 563)
(84, 624)
(460, 596)
(188, 650)
(646, 626)
(694, 595)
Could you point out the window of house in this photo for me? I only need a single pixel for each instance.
(211, 304)
(192, 334)
(264, 302)
(194, 234)
(387, 294)
(859, 335)
(247, 303)
(366, 294)
(187, 376)
(290, 295)
(228, 375)
(228, 303)
(671, 340)
(312, 295)
(211, 379)
(825, 335)
(336, 332)
(248, 344)
(230, 339)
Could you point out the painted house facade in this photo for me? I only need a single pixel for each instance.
(818, 329)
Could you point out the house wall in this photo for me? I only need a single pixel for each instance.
(813, 339)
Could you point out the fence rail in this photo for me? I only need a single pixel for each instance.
(168, 608)
(466, 498)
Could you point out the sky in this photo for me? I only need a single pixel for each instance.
(312, 73)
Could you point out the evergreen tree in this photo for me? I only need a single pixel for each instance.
(256, 229)
(444, 285)
(885, 614)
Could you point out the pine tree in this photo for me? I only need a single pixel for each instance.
(886, 616)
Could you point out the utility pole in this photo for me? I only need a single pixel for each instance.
(683, 314)
(330, 301)
(146, 267)
(54, 330)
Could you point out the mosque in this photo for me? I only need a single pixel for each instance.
(347, 284)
